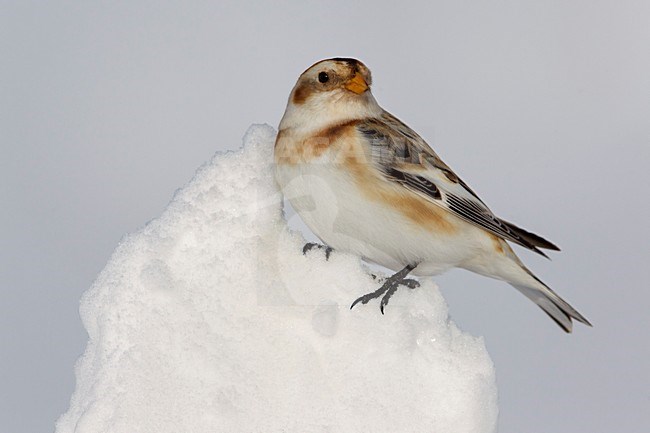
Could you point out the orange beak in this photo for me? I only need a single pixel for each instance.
(357, 84)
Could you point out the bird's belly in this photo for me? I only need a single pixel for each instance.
(348, 219)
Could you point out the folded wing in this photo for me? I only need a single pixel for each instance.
(405, 158)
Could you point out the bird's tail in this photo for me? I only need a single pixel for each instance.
(557, 308)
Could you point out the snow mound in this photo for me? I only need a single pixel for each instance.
(210, 319)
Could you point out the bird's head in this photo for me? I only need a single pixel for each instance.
(331, 91)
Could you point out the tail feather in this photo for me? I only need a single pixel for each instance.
(508, 267)
(557, 308)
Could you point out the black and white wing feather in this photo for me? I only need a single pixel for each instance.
(404, 157)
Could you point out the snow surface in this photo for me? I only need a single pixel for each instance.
(210, 319)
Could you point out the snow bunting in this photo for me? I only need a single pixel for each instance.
(366, 183)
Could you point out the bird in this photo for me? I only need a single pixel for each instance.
(367, 184)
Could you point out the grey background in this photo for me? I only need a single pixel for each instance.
(542, 107)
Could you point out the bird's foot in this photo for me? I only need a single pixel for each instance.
(408, 282)
(389, 287)
(311, 245)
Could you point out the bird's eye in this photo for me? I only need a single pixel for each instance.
(323, 77)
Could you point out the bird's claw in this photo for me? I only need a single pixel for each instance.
(388, 288)
(368, 297)
(410, 283)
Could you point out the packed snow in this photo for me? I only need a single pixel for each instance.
(211, 319)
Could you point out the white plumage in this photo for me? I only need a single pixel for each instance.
(366, 183)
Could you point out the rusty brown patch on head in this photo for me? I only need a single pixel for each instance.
(301, 93)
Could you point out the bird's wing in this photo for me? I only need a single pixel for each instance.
(404, 157)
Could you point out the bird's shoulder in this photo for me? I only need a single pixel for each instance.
(394, 144)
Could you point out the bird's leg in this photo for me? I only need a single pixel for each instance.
(389, 287)
(311, 245)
